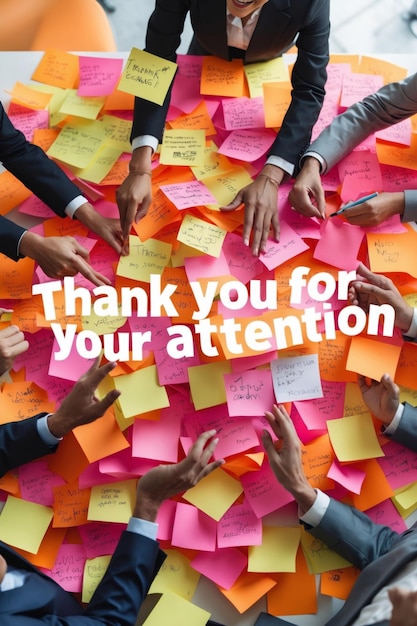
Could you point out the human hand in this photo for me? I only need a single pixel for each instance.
(12, 343)
(377, 289)
(285, 457)
(166, 481)
(60, 256)
(261, 208)
(308, 187)
(404, 607)
(81, 405)
(381, 398)
(106, 228)
(377, 210)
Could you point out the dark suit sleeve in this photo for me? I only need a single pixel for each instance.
(20, 443)
(34, 168)
(308, 81)
(10, 234)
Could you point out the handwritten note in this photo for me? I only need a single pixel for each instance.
(147, 76)
(296, 378)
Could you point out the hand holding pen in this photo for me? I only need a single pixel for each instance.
(373, 209)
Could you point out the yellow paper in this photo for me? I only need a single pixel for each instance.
(144, 259)
(183, 147)
(225, 187)
(103, 324)
(176, 575)
(101, 164)
(201, 235)
(117, 132)
(147, 76)
(207, 384)
(94, 570)
(354, 438)
(319, 557)
(278, 551)
(113, 502)
(257, 74)
(77, 145)
(354, 404)
(215, 494)
(15, 528)
(175, 611)
(140, 392)
(406, 497)
(214, 164)
(82, 106)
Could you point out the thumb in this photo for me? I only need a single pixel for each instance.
(237, 201)
(79, 249)
(389, 384)
(268, 443)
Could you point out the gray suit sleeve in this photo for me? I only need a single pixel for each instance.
(390, 104)
(406, 433)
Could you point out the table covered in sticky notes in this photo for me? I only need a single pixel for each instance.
(205, 335)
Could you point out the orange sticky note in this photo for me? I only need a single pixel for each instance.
(407, 366)
(30, 97)
(277, 99)
(352, 59)
(332, 359)
(57, 68)
(25, 313)
(18, 401)
(183, 299)
(222, 78)
(401, 156)
(375, 487)
(12, 192)
(199, 118)
(285, 598)
(101, 438)
(58, 227)
(339, 582)
(160, 213)
(389, 71)
(16, 278)
(119, 101)
(69, 460)
(317, 458)
(9, 483)
(393, 252)
(247, 590)
(372, 357)
(70, 505)
(45, 137)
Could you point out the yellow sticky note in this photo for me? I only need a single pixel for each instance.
(215, 494)
(272, 71)
(117, 132)
(30, 97)
(278, 551)
(225, 187)
(113, 502)
(406, 497)
(147, 76)
(101, 164)
(77, 144)
(175, 611)
(176, 575)
(94, 570)
(183, 147)
(354, 438)
(201, 235)
(14, 528)
(140, 392)
(319, 557)
(144, 259)
(104, 324)
(207, 383)
(214, 164)
(82, 106)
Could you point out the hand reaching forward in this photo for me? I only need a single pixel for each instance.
(308, 189)
(12, 343)
(81, 405)
(285, 457)
(382, 399)
(60, 256)
(166, 481)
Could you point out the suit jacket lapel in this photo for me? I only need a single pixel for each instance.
(272, 21)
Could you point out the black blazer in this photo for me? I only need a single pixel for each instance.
(37, 172)
(280, 23)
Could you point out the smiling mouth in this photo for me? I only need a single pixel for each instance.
(242, 5)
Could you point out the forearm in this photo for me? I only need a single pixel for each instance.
(20, 443)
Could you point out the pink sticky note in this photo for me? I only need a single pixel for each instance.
(239, 526)
(173, 371)
(348, 476)
(165, 520)
(357, 86)
(243, 113)
(190, 194)
(186, 87)
(315, 413)
(100, 539)
(288, 246)
(242, 264)
(249, 393)
(34, 206)
(70, 368)
(69, 567)
(123, 466)
(193, 529)
(305, 435)
(247, 145)
(248, 362)
(339, 244)
(398, 178)
(36, 359)
(157, 326)
(157, 439)
(360, 174)
(206, 267)
(398, 465)
(328, 111)
(107, 209)
(263, 491)
(29, 120)
(92, 476)
(98, 75)
(386, 514)
(36, 482)
(223, 567)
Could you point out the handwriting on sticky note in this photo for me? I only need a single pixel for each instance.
(201, 235)
(296, 378)
(147, 76)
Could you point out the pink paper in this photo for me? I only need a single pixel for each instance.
(263, 491)
(157, 439)
(339, 244)
(243, 112)
(358, 86)
(189, 194)
(186, 87)
(316, 412)
(288, 246)
(165, 520)
(193, 529)
(36, 482)
(34, 206)
(348, 476)
(398, 465)
(100, 539)
(223, 567)
(397, 133)
(173, 371)
(68, 570)
(29, 120)
(249, 393)
(122, 466)
(247, 145)
(398, 178)
(99, 76)
(72, 367)
(242, 264)
(386, 514)
(239, 526)
(360, 174)
(206, 267)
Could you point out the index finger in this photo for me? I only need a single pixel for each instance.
(97, 373)
(129, 217)
(281, 423)
(80, 265)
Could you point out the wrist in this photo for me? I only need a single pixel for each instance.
(304, 495)
(311, 164)
(397, 201)
(146, 507)
(141, 160)
(273, 172)
(57, 426)
(29, 244)
(86, 214)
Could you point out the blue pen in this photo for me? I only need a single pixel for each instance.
(356, 203)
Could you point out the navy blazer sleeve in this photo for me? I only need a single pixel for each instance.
(20, 443)
(37, 172)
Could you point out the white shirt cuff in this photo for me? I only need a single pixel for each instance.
(45, 434)
(143, 527)
(280, 162)
(145, 140)
(18, 243)
(391, 428)
(74, 205)
(316, 512)
(412, 331)
(318, 157)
